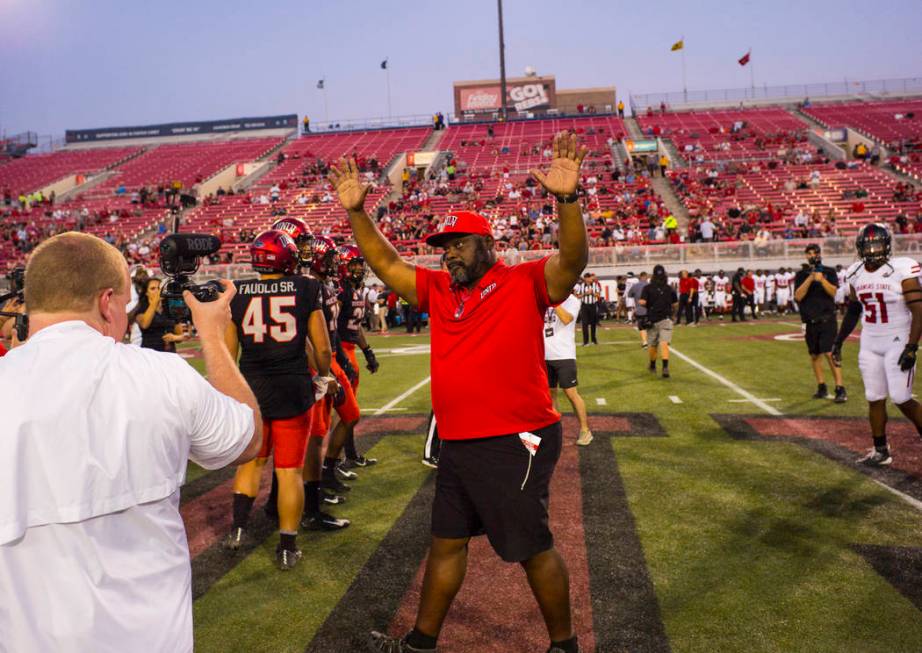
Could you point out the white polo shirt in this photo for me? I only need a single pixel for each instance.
(94, 439)
(560, 338)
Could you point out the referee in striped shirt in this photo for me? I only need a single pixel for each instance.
(589, 292)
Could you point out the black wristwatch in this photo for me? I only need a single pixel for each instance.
(567, 199)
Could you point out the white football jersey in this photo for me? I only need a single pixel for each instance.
(782, 281)
(760, 281)
(722, 284)
(881, 295)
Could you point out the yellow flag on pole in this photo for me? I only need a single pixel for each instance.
(678, 45)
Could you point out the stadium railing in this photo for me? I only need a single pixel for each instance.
(784, 94)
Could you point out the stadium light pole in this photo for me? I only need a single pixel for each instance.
(502, 62)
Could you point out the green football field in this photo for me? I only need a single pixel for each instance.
(719, 510)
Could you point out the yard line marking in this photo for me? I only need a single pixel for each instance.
(674, 399)
(396, 400)
(771, 410)
(915, 503)
(600, 401)
(368, 410)
(743, 401)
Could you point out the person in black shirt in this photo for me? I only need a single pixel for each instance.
(351, 335)
(279, 330)
(739, 296)
(661, 302)
(158, 332)
(815, 291)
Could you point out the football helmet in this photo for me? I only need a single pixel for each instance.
(351, 264)
(299, 232)
(324, 258)
(274, 251)
(874, 244)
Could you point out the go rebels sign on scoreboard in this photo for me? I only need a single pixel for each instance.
(521, 97)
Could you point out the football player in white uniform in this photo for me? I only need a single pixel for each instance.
(760, 290)
(782, 290)
(887, 291)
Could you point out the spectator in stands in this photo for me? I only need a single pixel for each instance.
(663, 164)
(707, 229)
(621, 108)
(307, 125)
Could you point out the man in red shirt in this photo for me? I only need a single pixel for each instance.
(749, 286)
(501, 436)
(688, 298)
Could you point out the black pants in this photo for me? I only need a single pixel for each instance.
(686, 308)
(589, 316)
(412, 319)
(739, 305)
(751, 303)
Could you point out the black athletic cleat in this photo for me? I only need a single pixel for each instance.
(286, 559)
(331, 484)
(876, 458)
(344, 474)
(665, 374)
(323, 522)
(653, 368)
(381, 643)
(821, 391)
(234, 540)
(841, 395)
(333, 499)
(431, 461)
(359, 461)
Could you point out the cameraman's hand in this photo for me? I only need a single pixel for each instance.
(211, 318)
(818, 276)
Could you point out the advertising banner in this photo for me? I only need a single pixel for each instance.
(181, 128)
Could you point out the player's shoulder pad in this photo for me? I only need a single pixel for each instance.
(853, 268)
(905, 267)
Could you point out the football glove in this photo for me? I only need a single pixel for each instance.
(908, 357)
(371, 361)
(837, 354)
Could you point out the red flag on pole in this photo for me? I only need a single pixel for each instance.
(744, 59)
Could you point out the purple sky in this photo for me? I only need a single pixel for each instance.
(95, 63)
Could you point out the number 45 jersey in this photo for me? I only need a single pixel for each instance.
(272, 316)
(881, 295)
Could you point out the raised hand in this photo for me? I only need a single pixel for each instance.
(344, 176)
(563, 177)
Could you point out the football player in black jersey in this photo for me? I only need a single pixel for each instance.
(278, 324)
(322, 265)
(352, 304)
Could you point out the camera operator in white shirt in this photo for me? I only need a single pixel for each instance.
(94, 440)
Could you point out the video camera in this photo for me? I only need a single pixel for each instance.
(179, 260)
(17, 279)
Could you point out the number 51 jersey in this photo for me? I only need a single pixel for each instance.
(272, 316)
(881, 295)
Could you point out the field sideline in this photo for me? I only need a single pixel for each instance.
(718, 510)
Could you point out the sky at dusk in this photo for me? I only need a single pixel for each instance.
(95, 63)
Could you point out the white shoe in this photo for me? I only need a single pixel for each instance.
(585, 437)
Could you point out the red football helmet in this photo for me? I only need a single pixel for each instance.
(349, 255)
(324, 258)
(274, 251)
(299, 232)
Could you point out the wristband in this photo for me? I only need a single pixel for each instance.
(567, 199)
(912, 347)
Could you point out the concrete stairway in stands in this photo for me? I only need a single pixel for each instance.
(633, 129)
(433, 141)
(664, 189)
(678, 161)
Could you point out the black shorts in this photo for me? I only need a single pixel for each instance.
(493, 486)
(821, 336)
(561, 373)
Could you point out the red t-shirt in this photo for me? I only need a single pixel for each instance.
(2, 349)
(687, 285)
(488, 371)
(749, 283)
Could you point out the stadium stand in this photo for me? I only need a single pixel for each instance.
(896, 124)
(297, 186)
(729, 135)
(35, 171)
